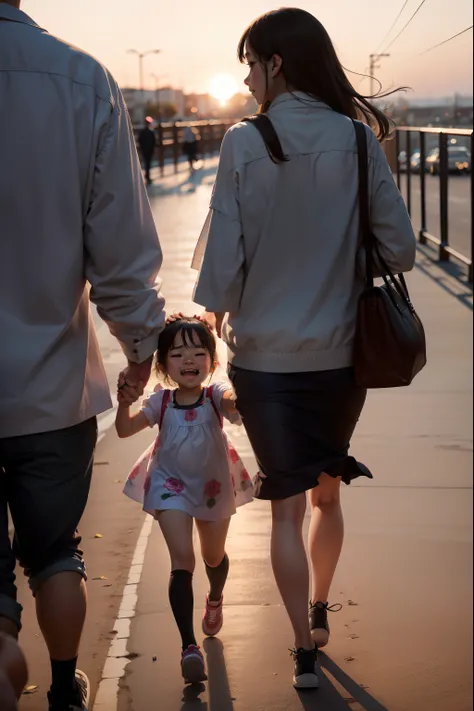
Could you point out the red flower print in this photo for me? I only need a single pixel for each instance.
(234, 457)
(245, 475)
(134, 473)
(174, 485)
(212, 489)
(190, 415)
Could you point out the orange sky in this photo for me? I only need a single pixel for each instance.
(198, 39)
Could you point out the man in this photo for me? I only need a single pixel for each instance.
(73, 211)
(147, 143)
(13, 673)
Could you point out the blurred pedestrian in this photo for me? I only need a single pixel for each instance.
(190, 146)
(281, 259)
(147, 143)
(76, 226)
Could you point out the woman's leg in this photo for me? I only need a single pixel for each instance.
(177, 529)
(326, 535)
(290, 564)
(213, 535)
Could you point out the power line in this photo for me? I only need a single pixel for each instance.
(406, 25)
(392, 25)
(458, 34)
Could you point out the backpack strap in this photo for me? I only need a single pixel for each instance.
(209, 392)
(164, 405)
(270, 137)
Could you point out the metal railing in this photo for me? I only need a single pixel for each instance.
(405, 141)
(169, 139)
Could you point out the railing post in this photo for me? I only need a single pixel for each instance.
(397, 144)
(161, 149)
(175, 147)
(472, 211)
(443, 196)
(408, 150)
(423, 225)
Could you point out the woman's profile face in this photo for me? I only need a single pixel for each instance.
(256, 79)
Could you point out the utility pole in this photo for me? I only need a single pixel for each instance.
(140, 56)
(374, 58)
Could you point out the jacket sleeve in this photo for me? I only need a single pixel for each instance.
(122, 249)
(220, 250)
(391, 224)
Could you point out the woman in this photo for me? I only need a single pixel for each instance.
(281, 260)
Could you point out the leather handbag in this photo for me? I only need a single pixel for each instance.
(390, 342)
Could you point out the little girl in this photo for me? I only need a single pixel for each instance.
(191, 472)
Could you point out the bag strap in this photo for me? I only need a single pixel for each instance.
(270, 137)
(368, 240)
(164, 405)
(209, 392)
(364, 209)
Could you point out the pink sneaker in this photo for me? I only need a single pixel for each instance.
(192, 665)
(213, 617)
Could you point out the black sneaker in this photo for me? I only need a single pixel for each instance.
(318, 621)
(305, 676)
(80, 703)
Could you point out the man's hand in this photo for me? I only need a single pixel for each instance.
(132, 381)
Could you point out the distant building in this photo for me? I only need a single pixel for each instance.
(167, 95)
(136, 101)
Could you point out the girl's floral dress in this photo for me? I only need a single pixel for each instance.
(192, 466)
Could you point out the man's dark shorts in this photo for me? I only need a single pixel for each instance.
(44, 480)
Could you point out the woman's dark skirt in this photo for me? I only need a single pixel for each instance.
(300, 426)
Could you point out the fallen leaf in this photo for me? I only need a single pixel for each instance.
(118, 481)
(154, 659)
(352, 603)
(98, 535)
(109, 585)
(31, 689)
(349, 659)
(354, 636)
(101, 577)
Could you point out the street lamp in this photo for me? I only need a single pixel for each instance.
(140, 56)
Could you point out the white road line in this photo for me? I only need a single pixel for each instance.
(116, 662)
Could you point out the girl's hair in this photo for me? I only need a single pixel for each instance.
(310, 63)
(195, 334)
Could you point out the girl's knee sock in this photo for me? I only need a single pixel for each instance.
(217, 578)
(182, 603)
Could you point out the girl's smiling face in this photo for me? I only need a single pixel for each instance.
(188, 363)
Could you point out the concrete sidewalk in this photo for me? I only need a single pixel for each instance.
(403, 639)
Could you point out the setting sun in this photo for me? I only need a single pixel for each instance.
(223, 87)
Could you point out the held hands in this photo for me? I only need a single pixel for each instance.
(131, 382)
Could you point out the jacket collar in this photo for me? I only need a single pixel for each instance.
(296, 99)
(8, 12)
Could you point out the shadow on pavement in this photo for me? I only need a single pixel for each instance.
(185, 182)
(355, 692)
(220, 698)
(191, 699)
(455, 282)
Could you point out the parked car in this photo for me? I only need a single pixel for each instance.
(459, 160)
(415, 162)
(402, 161)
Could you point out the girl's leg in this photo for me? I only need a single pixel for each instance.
(326, 535)
(290, 565)
(177, 529)
(213, 535)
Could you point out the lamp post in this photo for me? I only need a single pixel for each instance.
(141, 56)
(373, 66)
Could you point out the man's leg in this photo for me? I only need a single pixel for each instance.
(53, 473)
(10, 609)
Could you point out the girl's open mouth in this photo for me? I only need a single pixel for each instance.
(190, 371)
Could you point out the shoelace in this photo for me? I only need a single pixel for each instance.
(294, 652)
(337, 607)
